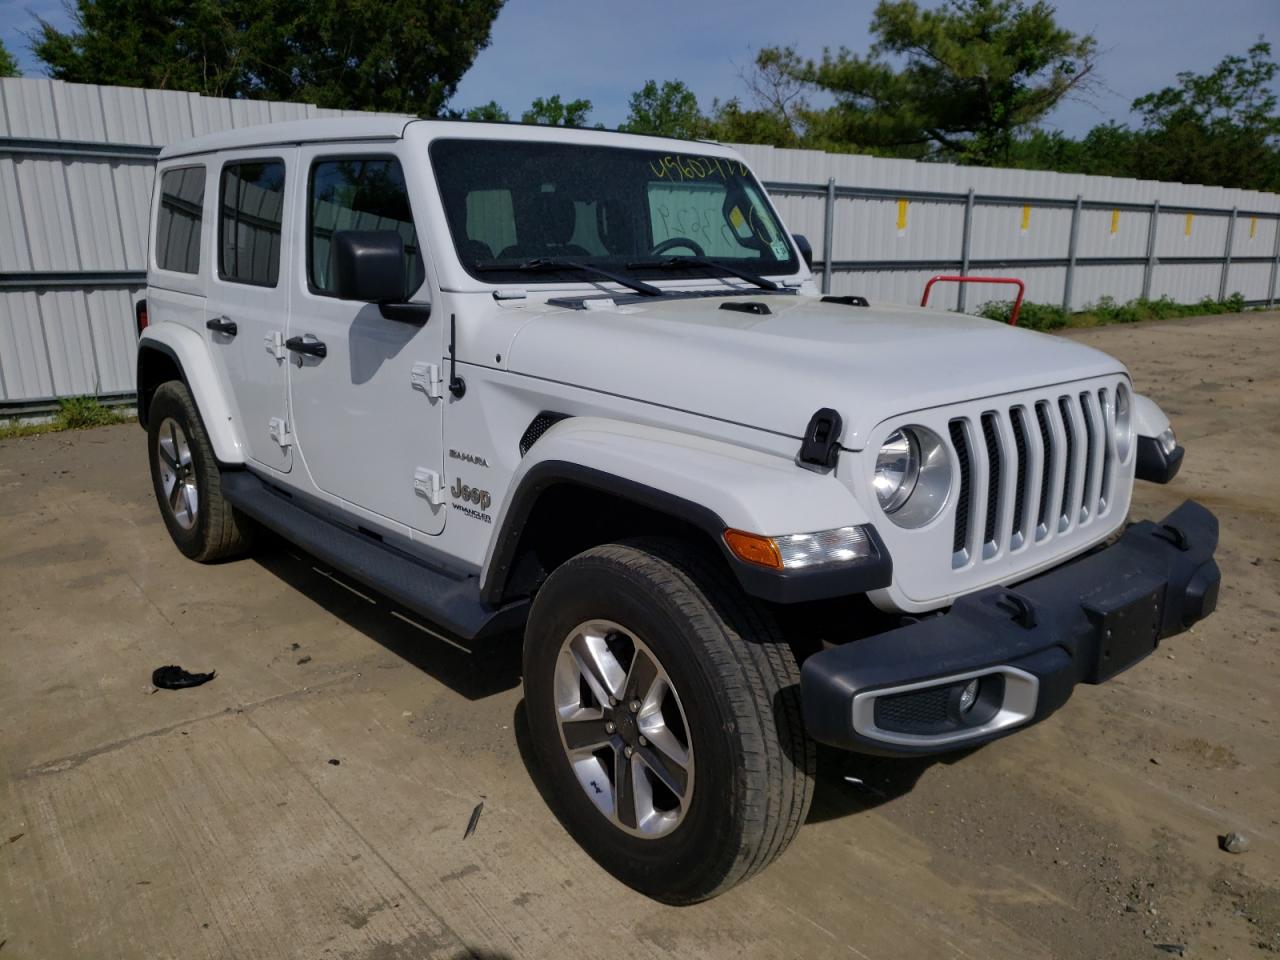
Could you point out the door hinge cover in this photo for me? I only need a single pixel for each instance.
(427, 483)
(427, 378)
(279, 430)
(274, 342)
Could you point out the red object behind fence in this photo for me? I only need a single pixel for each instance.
(1017, 303)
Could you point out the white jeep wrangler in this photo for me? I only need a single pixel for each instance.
(581, 385)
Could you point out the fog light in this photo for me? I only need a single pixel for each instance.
(969, 696)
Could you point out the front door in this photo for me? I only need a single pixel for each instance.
(248, 304)
(366, 417)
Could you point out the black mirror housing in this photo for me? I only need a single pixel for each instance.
(369, 265)
(805, 248)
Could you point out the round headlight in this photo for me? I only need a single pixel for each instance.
(912, 476)
(897, 467)
(1122, 427)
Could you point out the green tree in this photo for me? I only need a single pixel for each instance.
(147, 43)
(8, 65)
(486, 111)
(668, 111)
(1220, 128)
(1109, 149)
(732, 122)
(394, 55)
(957, 82)
(552, 112)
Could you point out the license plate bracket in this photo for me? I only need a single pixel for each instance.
(1127, 628)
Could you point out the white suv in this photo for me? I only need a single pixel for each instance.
(581, 385)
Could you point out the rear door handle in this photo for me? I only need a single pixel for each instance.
(222, 325)
(312, 348)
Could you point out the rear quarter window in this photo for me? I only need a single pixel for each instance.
(251, 211)
(179, 219)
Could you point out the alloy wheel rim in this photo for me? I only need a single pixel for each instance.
(177, 473)
(623, 729)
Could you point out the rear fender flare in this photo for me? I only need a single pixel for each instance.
(188, 351)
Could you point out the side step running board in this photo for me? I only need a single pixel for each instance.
(451, 602)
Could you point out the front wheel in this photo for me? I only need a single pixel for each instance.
(664, 707)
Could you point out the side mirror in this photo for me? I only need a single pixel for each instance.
(806, 251)
(368, 265)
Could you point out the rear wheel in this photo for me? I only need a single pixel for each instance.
(664, 707)
(187, 480)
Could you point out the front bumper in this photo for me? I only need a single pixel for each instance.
(903, 692)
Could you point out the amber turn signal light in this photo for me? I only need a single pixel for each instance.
(754, 548)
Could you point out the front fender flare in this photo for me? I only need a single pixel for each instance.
(710, 484)
(188, 351)
(1148, 419)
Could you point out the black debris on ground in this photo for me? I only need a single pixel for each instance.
(173, 677)
(475, 819)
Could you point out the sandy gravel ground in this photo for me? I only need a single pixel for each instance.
(215, 823)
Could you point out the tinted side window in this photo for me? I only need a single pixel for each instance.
(358, 193)
(178, 223)
(252, 206)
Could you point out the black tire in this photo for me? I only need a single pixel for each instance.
(217, 531)
(739, 686)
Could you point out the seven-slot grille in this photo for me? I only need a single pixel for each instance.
(1030, 471)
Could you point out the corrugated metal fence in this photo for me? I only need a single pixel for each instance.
(882, 227)
(76, 168)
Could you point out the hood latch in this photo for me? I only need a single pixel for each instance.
(821, 445)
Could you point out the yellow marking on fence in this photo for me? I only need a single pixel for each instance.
(902, 214)
(1026, 217)
(1186, 231)
(1253, 227)
(1115, 222)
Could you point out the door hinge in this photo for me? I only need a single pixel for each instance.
(274, 342)
(426, 377)
(278, 427)
(427, 483)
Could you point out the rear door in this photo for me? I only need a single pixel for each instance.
(367, 417)
(248, 296)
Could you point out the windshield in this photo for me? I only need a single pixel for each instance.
(508, 202)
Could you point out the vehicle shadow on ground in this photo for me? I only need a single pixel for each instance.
(851, 783)
(846, 783)
(474, 674)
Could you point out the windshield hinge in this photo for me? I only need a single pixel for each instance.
(510, 294)
(821, 445)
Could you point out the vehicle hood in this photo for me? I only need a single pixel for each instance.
(773, 371)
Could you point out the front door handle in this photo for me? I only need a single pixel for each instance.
(312, 348)
(223, 325)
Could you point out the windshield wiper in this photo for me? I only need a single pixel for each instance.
(553, 263)
(673, 263)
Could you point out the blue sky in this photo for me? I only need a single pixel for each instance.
(605, 49)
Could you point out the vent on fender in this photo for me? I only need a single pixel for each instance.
(537, 427)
